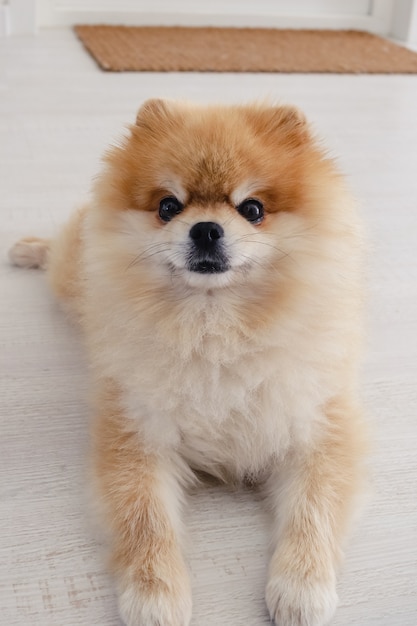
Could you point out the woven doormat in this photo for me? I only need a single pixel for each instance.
(181, 49)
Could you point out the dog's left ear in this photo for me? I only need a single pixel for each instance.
(286, 122)
(292, 120)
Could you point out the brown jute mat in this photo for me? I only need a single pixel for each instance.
(182, 49)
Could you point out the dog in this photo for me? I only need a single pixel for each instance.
(216, 275)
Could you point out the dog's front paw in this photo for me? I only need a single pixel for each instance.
(302, 602)
(156, 603)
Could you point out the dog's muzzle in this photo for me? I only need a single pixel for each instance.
(207, 254)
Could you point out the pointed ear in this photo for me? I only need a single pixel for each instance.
(287, 122)
(154, 112)
(292, 119)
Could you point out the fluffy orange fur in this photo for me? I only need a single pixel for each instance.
(247, 371)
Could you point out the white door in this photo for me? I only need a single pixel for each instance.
(20, 16)
(369, 15)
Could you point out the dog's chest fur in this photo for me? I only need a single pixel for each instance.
(229, 404)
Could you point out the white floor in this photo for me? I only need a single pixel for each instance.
(57, 114)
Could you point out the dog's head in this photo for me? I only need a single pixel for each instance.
(213, 196)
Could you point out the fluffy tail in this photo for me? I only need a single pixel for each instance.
(30, 252)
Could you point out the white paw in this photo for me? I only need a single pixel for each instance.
(156, 605)
(30, 252)
(300, 603)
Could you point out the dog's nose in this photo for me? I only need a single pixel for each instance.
(206, 234)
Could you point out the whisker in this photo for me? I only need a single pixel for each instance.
(147, 254)
(284, 253)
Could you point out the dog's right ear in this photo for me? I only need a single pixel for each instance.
(154, 112)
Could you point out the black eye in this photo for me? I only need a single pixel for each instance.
(252, 210)
(169, 208)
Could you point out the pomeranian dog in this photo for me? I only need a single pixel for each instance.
(216, 275)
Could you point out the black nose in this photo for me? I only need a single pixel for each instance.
(206, 234)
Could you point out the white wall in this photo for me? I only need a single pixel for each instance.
(404, 25)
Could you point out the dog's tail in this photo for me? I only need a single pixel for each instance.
(30, 252)
(61, 257)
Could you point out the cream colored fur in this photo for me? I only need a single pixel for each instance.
(250, 373)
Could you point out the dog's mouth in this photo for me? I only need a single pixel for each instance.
(208, 267)
(215, 262)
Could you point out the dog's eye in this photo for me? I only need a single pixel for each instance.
(252, 210)
(169, 208)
